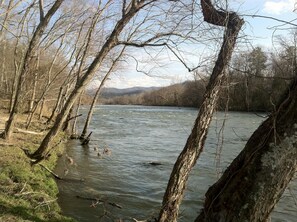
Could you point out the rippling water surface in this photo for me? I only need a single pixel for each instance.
(137, 136)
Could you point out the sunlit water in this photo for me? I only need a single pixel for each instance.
(139, 135)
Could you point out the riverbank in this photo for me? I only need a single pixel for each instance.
(27, 193)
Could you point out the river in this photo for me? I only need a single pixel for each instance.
(138, 136)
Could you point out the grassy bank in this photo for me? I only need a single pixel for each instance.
(27, 193)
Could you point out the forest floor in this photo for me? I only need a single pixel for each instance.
(27, 193)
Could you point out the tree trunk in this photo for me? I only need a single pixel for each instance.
(73, 129)
(247, 96)
(188, 157)
(110, 43)
(3, 44)
(3, 66)
(41, 108)
(90, 113)
(17, 66)
(254, 182)
(26, 67)
(95, 98)
(33, 95)
(65, 127)
(64, 98)
(56, 105)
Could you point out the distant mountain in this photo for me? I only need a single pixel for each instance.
(113, 92)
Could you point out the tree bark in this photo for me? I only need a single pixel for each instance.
(33, 95)
(194, 146)
(17, 66)
(98, 91)
(254, 182)
(73, 128)
(56, 105)
(41, 108)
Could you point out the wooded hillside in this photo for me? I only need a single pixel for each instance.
(257, 80)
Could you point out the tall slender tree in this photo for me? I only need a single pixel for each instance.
(129, 11)
(194, 146)
(98, 91)
(254, 182)
(27, 63)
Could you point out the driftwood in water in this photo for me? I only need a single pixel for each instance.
(155, 163)
(60, 178)
(51, 172)
(99, 201)
(87, 139)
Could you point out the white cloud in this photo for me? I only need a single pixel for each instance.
(141, 80)
(278, 7)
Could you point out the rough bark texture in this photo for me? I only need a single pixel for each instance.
(73, 127)
(90, 113)
(254, 182)
(188, 157)
(56, 105)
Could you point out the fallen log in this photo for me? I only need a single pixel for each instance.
(28, 131)
(51, 172)
(60, 178)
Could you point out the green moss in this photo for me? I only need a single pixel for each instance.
(28, 193)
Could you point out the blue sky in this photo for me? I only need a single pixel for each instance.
(263, 30)
(260, 32)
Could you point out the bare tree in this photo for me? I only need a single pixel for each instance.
(128, 12)
(194, 146)
(254, 182)
(18, 54)
(44, 21)
(2, 43)
(98, 91)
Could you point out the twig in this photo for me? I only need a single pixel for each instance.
(272, 18)
(46, 203)
(73, 117)
(138, 220)
(99, 201)
(55, 175)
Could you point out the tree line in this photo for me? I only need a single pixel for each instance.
(256, 81)
(52, 50)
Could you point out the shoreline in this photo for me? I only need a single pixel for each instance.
(28, 193)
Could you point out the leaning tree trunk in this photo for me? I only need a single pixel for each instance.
(56, 105)
(109, 44)
(35, 80)
(254, 182)
(95, 98)
(188, 157)
(90, 113)
(73, 128)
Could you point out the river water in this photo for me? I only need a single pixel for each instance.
(138, 136)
